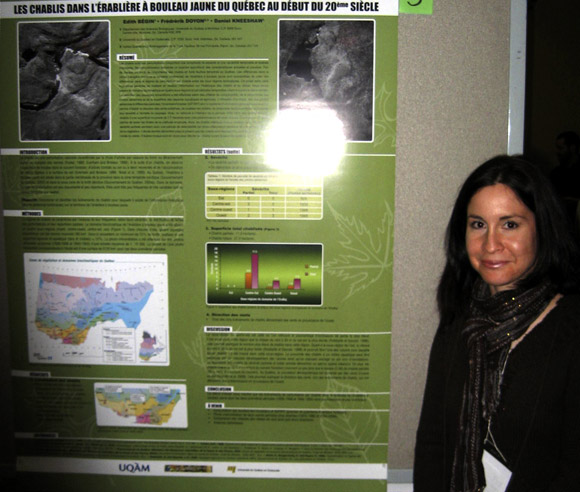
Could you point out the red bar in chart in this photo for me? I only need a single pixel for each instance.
(254, 270)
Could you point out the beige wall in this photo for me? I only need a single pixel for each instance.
(453, 90)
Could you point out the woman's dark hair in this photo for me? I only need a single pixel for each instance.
(557, 251)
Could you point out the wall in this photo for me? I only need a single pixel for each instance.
(452, 115)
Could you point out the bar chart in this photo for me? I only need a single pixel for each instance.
(264, 273)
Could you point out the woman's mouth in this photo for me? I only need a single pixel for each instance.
(493, 264)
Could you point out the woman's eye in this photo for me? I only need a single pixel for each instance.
(476, 224)
(511, 225)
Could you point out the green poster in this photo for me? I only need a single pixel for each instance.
(198, 209)
(424, 7)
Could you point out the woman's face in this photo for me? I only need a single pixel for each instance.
(500, 237)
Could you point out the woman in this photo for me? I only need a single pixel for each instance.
(501, 409)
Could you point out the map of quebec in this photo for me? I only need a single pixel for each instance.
(68, 307)
(145, 406)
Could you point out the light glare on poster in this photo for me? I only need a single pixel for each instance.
(306, 141)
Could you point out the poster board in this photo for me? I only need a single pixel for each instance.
(198, 208)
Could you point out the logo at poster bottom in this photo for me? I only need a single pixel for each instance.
(134, 468)
(188, 468)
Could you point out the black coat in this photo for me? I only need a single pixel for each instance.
(537, 426)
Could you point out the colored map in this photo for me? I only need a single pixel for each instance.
(149, 347)
(103, 309)
(138, 405)
(68, 306)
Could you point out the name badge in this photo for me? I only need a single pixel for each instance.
(497, 475)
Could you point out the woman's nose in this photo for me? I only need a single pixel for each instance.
(491, 242)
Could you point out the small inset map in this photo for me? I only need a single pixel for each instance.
(107, 309)
(149, 347)
(141, 405)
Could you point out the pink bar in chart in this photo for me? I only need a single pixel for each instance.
(254, 270)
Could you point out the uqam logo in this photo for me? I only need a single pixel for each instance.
(134, 468)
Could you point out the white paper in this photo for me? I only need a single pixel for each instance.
(497, 475)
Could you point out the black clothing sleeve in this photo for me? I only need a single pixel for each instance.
(435, 436)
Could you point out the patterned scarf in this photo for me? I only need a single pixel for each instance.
(493, 323)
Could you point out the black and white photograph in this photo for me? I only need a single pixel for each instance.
(64, 81)
(329, 64)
